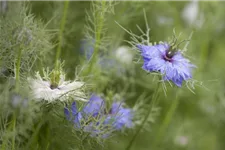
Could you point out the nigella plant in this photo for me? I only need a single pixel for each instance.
(53, 87)
(167, 60)
(94, 118)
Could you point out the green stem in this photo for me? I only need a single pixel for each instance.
(153, 102)
(11, 128)
(3, 146)
(35, 134)
(47, 147)
(98, 32)
(18, 63)
(204, 54)
(14, 130)
(166, 121)
(62, 27)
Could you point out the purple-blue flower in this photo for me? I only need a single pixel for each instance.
(95, 106)
(170, 63)
(76, 115)
(119, 116)
(87, 48)
(96, 120)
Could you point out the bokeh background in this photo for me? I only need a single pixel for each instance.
(199, 120)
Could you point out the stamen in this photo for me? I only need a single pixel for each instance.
(53, 86)
(169, 55)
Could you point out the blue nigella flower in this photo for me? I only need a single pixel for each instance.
(169, 62)
(95, 119)
(87, 48)
(107, 60)
(120, 116)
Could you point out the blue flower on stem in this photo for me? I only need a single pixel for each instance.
(169, 62)
(94, 119)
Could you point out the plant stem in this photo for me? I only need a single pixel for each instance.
(18, 63)
(166, 121)
(153, 102)
(34, 136)
(14, 130)
(17, 75)
(62, 27)
(99, 21)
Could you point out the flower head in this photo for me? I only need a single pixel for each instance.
(120, 116)
(181, 141)
(18, 100)
(94, 106)
(124, 55)
(96, 120)
(87, 48)
(170, 63)
(42, 89)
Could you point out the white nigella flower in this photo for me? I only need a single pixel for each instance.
(191, 14)
(163, 20)
(124, 54)
(181, 141)
(43, 89)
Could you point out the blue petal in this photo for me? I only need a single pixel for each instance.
(120, 117)
(74, 108)
(156, 64)
(67, 113)
(162, 47)
(77, 119)
(149, 51)
(94, 106)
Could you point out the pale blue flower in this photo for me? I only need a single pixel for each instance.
(171, 64)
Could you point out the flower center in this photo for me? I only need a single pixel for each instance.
(169, 55)
(54, 79)
(53, 86)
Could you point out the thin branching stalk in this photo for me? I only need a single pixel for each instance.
(18, 63)
(153, 102)
(14, 130)
(204, 54)
(34, 136)
(98, 29)
(166, 121)
(62, 27)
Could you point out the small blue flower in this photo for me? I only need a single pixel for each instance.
(94, 106)
(96, 120)
(18, 101)
(76, 115)
(119, 116)
(87, 48)
(171, 64)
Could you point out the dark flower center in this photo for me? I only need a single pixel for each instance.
(53, 86)
(169, 55)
